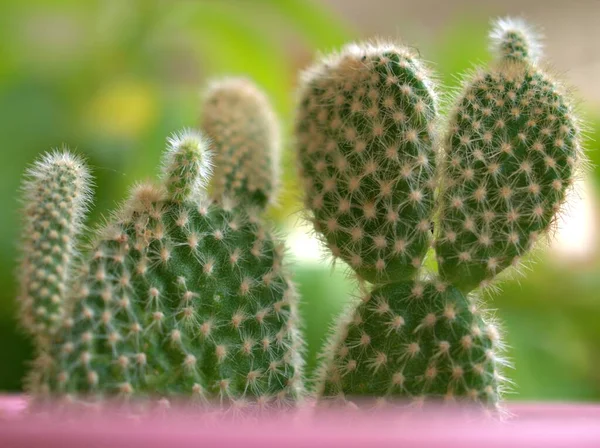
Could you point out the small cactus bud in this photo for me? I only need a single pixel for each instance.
(187, 165)
(514, 40)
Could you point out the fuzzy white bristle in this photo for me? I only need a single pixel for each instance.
(530, 38)
(195, 148)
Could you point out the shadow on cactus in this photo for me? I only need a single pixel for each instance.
(179, 296)
(378, 171)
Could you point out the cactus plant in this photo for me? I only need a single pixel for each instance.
(367, 143)
(179, 296)
(184, 292)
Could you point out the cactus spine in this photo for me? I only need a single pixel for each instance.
(367, 143)
(180, 297)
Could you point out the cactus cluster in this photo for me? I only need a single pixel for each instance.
(184, 293)
(369, 135)
(179, 296)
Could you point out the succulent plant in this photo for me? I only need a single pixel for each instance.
(368, 142)
(184, 294)
(178, 296)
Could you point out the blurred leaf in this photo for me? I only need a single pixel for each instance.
(463, 46)
(552, 332)
(550, 358)
(123, 109)
(228, 44)
(592, 147)
(324, 293)
(16, 355)
(317, 25)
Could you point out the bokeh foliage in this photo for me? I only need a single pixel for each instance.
(113, 78)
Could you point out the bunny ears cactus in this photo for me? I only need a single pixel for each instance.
(368, 144)
(178, 297)
(184, 294)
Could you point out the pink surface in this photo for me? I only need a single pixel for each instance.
(533, 425)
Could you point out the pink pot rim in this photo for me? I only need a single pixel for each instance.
(532, 425)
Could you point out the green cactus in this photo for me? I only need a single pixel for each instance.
(413, 339)
(366, 136)
(178, 297)
(367, 144)
(55, 198)
(184, 294)
(510, 157)
(513, 39)
(243, 129)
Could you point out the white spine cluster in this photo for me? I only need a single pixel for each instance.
(187, 165)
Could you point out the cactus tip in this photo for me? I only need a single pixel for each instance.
(514, 39)
(187, 165)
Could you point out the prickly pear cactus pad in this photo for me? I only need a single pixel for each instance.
(367, 149)
(511, 152)
(417, 339)
(179, 297)
(245, 137)
(366, 144)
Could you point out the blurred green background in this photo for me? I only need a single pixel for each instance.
(113, 78)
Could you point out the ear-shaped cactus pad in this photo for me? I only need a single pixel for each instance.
(413, 342)
(511, 152)
(367, 158)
